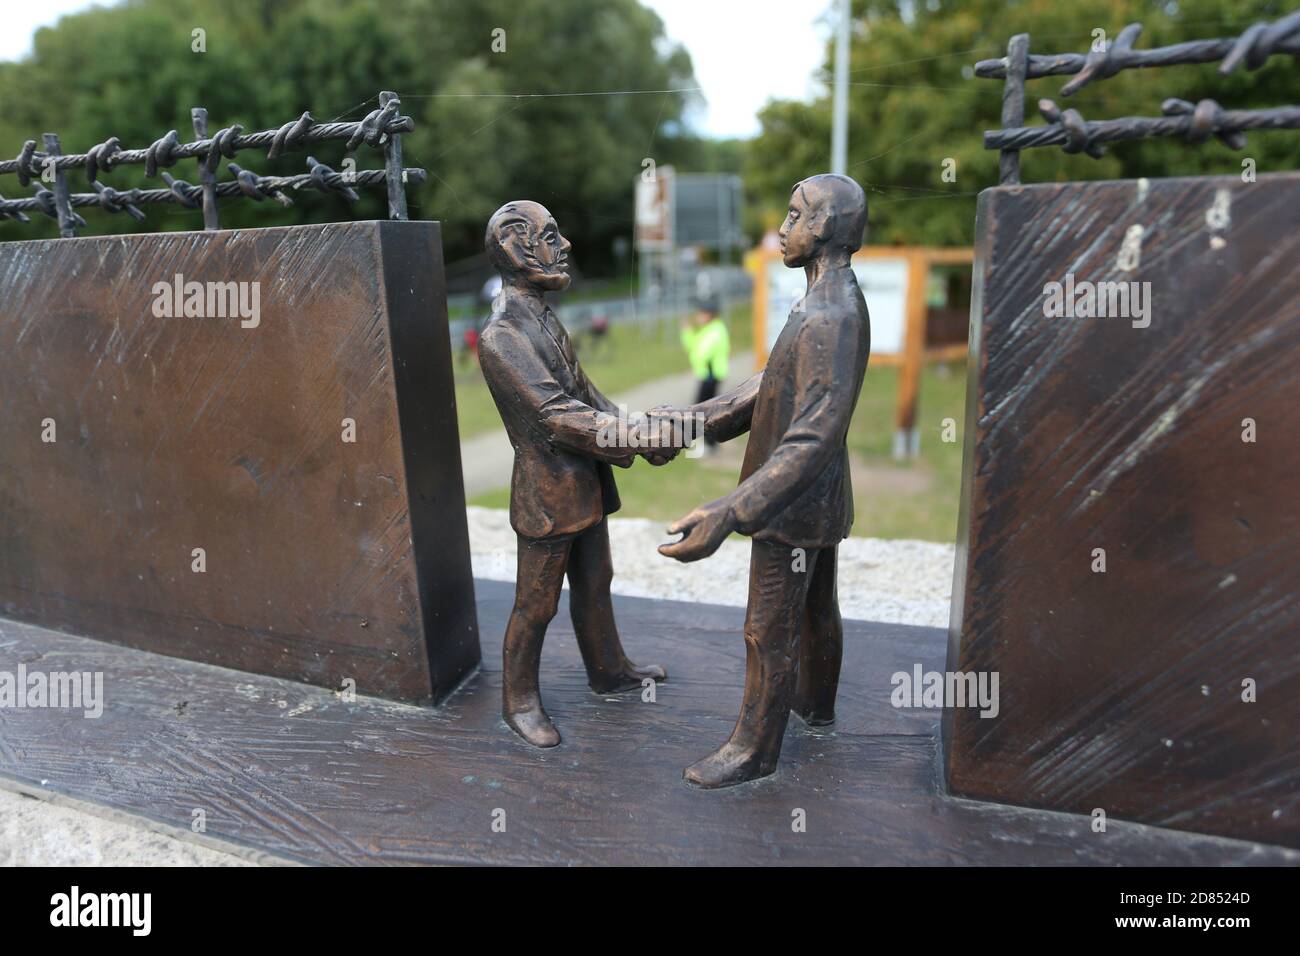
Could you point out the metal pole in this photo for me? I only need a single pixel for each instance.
(62, 203)
(211, 219)
(840, 116)
(1013, 105)
(393, 167)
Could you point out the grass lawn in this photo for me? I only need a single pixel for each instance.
(891, 499)
(627, 357)
(915, 499)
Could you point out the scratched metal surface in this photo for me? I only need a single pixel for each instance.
(325, 559)
(1123, 690)
(293, 770)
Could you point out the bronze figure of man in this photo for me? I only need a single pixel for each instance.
(794, 499)
(562, 487)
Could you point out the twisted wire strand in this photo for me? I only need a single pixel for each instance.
(179, 192)
(168, 150)
(1252, 48)
(1193, 122)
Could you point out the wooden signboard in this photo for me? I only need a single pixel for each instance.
(894, 281)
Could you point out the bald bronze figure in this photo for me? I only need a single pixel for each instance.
(794, 499)
(562, 486)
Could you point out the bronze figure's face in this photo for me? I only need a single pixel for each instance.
(524, 240)
(799, 239)
(828, 210)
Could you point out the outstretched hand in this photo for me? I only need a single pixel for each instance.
(705, 529)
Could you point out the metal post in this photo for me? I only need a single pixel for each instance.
(207, 176)
(393, 166)
(1013, 105)
(67, 220)
(840, 117)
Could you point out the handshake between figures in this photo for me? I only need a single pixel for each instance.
(657, 435)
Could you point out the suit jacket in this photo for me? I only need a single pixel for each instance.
(562, 481)
(794, 484)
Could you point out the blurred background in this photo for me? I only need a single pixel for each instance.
(665, 136)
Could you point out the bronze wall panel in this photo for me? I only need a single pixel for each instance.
(325, 559)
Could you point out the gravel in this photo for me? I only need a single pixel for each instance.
(898, 582)
(53, 831)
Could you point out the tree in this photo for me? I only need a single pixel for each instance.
(914, 103)
(482, 130)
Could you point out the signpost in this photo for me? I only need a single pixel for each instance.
(654, 208)
(678, 214)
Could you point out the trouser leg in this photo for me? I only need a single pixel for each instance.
(538, 580)
(590, 570)
(821, 648)
(773, 624)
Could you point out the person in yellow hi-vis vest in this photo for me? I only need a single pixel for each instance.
(707, 346)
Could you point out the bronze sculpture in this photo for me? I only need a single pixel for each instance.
(795, 498)
(562, 487)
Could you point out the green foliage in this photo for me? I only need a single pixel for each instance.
(129, 71)
(911, 106)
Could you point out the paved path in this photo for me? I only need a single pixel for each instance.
(487, 459)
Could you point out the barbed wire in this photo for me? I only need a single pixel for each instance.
(992, 48)
(319, 177)
(1253, 48)
(381, 128)
(1194, 123)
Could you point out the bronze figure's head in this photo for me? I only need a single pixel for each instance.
(524, 243)
(828, 214)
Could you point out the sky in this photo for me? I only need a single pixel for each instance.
(745, 52)
(18, 21)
